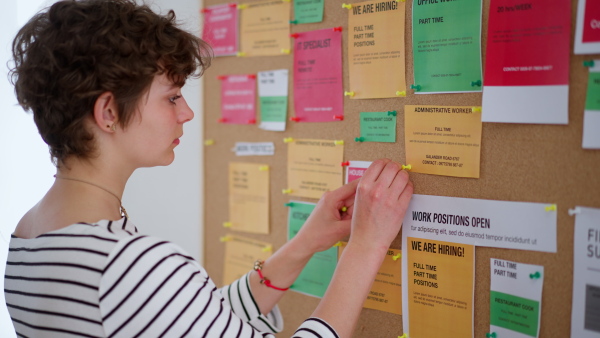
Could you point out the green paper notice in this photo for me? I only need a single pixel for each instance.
(308, 11)
(592, 100)
(378, 127)
(273, 108)
(447, 45)
(514, 313)
(316, 275)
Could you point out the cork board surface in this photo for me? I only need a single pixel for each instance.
(519, 162)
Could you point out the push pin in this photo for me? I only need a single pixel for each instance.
(392, 113)
(401, 93)
(476, 83)
(415, 87)
(345, 164)
(535, 275)
(338, 117)
(359, 139)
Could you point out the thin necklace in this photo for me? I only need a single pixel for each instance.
(123, 211)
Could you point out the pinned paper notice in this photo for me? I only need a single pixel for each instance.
(240, 255)
(254, 149)
(249, 197)
(356, 170)
(378, 127)
(308, 11)
(238, 99)
(221, 29)
(273, 96)
(265, 28)
(591, 115)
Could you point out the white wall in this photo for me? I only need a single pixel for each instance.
(164, 202)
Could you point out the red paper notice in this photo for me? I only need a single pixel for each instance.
(318, 90)
(528, 44)
(238, 94)
(591, 23)
(220, 28)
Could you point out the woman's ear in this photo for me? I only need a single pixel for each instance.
(106, 115)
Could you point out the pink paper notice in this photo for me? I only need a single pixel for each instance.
(318, 89)
(220, 29)
(356, 170)
(238, 103)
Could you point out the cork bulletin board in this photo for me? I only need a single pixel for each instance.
(519, 162)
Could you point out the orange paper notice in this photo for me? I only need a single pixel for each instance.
(240, 255)
(249, 197)
(376, 49)
(443, 140)
(314, 167)
(265, 28)
(440, 288)
(386, 292)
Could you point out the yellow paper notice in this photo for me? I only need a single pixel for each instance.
(240, 255)
(440, 288)
(249, 197)
(443, 140)
(265, 28)
(376, 49)
(386, 292)
(314, 167)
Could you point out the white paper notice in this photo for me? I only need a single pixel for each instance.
(585, 315)
(515, 299)
(356, 170)
(587, 31)
(254, 149)
(500, 224)
(591, 114)
(273, 97)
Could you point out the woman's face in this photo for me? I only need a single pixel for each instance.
(155, 130)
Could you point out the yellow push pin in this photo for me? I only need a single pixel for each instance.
(288, 140)
(406, 167)
(285, 51)
(225, 238)
(240, 54)
(209, 142)
(344, 209)
(267, 248)
(337, 244)
(286, 191)
(338, 142)
(347, 6)
(476, 109)
(401, 93)
(227, 224)
(395, 258)
(242, 6)
(550, 207)
(263, 168)
(351, 94)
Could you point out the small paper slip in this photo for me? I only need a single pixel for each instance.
(264, 27)
(443, 140)
(527, 75)
(376, 49)
(587, 31)
(356, 170)
(447, 46)
(386, 292)
(221, 29)
(439, 284)
(238, 102)
(316, 275)
(240, 255)
(585, 314)
(254, 149)
(308, 11)
(515, 298)
(249, 197)
(591, 115)
(377, 127)
(314, 167)
(273, 97)
(318, 91)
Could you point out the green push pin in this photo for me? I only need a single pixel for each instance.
(588, 64)
(392, 113)
(294, 22)
(491, 335)
(415, 87)
(290, 204)
(359, 139)
(535, 275)
(476, 83)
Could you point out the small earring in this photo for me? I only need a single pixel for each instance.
(113, 127)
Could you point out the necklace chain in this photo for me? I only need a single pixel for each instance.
(123, 211)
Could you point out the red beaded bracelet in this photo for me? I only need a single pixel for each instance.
(258, 267)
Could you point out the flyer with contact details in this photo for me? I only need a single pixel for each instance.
(249, 197)
(447, 46)
(221, 29)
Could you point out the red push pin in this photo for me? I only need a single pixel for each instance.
(295, 35)
(252, 76)
(337, 29)
(294, 118)
(221, 77)
(338, 117)
(345, 164)
(222, 120)
(204, 10)
(233, 5)
(252, 121)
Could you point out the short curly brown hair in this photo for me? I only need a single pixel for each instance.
(67, 55)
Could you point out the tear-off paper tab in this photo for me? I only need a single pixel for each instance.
(591, 115)
(273, 96)
(238, 94)
(249, 197)
(221, 29)
(515, 298)
(376, 49)
(527, 62)
(318, 88)
(447, 46)
(316, 275)
(438, 285)
(265, 28)
(585, 317)
(443, 140)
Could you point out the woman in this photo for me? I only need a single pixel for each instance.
(103, 79)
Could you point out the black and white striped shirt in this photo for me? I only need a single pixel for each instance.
(106, 280)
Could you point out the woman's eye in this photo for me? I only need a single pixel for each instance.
(174, 98)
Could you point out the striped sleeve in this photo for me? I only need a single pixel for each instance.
(315, 328)
(151, 287)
